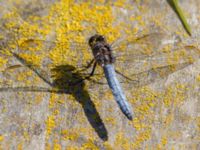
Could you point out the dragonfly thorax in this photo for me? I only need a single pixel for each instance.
(101, 50)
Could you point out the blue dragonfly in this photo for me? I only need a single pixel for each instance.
(104, 56)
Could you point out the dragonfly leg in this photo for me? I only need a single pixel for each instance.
(93, 69)
(88, 65)
(87, 77)
(92, 72)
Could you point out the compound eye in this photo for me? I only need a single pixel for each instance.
(101, 38)
(91, 41)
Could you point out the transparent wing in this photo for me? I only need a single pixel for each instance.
(143, 59)
(155, 57)
(80, 53)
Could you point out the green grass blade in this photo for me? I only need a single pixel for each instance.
(179, 12)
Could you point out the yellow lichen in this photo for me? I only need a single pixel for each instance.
(57, 146)
(20, 146)
(69, 135)
(122, 142)
(3, 61)
(110, 121)
(198, 78)
(50, 124)
(69, 29)
(107, 146)
(89, 145)
(1, 138)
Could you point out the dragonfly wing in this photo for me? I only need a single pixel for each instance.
(145, 68)
(33, 54)
(141, 45)
(146, 56)
(154, 74)
(117, 91)
(69, 52)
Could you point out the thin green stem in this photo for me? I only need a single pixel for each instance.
(179, 12)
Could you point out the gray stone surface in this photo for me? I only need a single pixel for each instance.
(40, 111)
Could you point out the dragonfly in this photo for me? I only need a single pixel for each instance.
(103, 56)
(149, 66)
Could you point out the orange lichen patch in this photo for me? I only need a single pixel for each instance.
(122, 142)
(20, 146)
(137, 124)
(97, 15)
(1, 138)
(28, 30)
(84, 131)
(96, 101)
(162, 143)
(24, 76)
(53, 100)
(6, 51)
(47, 146)
(111, 121)
(156, 20)
(140, 138)
(144, 100)
(107, 146)
(26, 135)
(1, 37)
(69, 135)
(3, 61)
(168, 99)
(33, 59)
(62, 55)
(174, 134)
(61, 101)
(108, 95)
(38, 99)
(180, 93)
(167, 48)
(89, 145)
(198, 78)
(50, 124)
(3, 106)
(30, 44)
(175, 57)
(174, 96)
(11, 19)
(55, 113)
(120, 3)
(168, 119)
(56, 146)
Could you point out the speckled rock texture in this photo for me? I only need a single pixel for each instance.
(44, 50)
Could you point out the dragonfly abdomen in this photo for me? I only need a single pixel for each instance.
(117, 91)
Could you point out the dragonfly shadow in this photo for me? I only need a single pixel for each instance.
(64, 77)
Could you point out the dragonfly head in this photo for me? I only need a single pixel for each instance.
(96, 39)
